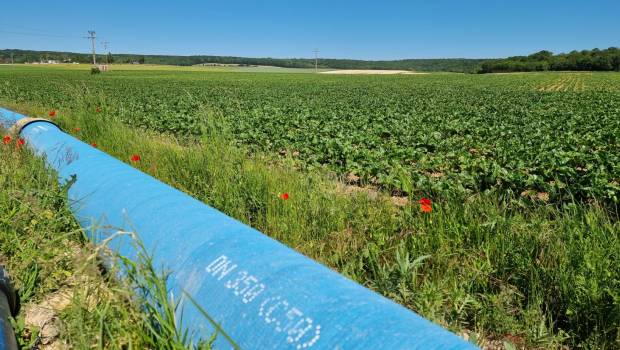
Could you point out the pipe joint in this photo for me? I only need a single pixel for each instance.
(20, 124)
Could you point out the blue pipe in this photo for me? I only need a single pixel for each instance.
(9, 307)
(263, 294)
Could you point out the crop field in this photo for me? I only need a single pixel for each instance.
(517, 243)
(437, 133)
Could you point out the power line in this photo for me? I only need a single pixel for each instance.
(316, 60)
(21, 27)
(92, 36)
(105, 49)
(37, 34)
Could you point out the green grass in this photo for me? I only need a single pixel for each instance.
(47, 255)
(537, 275)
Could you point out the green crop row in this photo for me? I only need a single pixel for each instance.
(519, 134)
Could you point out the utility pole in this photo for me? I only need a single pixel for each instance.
(92, 36)
(12, 62)
(316, 60)
(105, 49)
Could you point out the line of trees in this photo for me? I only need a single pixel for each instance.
(586, 60)
(30, 56)
(429, 65)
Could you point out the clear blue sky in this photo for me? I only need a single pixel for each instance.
(387, 29)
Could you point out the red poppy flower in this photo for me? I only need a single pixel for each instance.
(135, 158)
(284, 196)
(426, 208)
(98, 109)
(6, 140)
(52, 113)
(77, 129)
(94, 144)
(21, 142)
(424, 201)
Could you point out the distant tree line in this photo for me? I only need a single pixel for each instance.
(426, 65)
(586, 60)
(29, 56)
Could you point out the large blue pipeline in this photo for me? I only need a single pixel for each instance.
(9, 306)
(262, 294)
